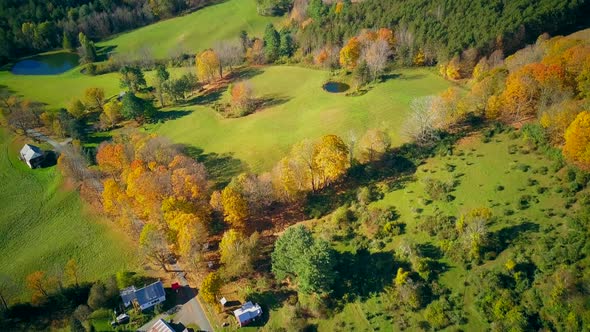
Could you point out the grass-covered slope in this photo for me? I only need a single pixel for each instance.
(42, 226)
(497, 175)
(302, 109)
(193, 32)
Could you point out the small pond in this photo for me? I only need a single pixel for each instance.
(336, 87)
(48, 64)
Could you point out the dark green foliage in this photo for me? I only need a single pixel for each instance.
(273, 7)
(525, 201)
(177, 89)
(272, 42)
(132, 78)
(439, 225)
(76, 325)
(135, 108)
(317, 10)
(309, 261)
(66, 43)
(39, 25)
(87, 50)
(287, 46)
(438, 190)
(361, 74)
(448, 28)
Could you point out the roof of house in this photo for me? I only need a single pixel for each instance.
(30, 152)
(128, 294)
(143, 295)
(150, 292)
(161, 326)
(247, 312)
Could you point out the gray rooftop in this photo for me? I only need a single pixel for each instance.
(30, 152)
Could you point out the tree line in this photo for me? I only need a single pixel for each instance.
(35, 26)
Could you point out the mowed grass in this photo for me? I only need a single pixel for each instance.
(42, 226)
(194, 32)
(481, 168)
(57, 90)
(302, 109)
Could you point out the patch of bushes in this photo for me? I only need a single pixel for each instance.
(438, 190)
(525, 201)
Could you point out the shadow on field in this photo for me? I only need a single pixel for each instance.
(268, 300)
(363, 273)
(412, 77)
(208, 98)
(507, 235)
(162, 116)
(221, 167)
(390, 76)
(245, 74)
(270, 101)
(103, 52)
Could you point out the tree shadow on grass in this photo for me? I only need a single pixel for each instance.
(50, 159)
(163, 116)
(104, 52)
(412, 77)
(363, 273)
(221, 167)
(96, 140)
(429, 250)
(205, 99)
(390, 76)
(270, 101)
(268, 300)
(244, 73)
(507, 235)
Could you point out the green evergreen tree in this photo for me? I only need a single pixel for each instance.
(287, 46)
(66, 42)
(361, 73)
(162, 75)
(132, 78)
(135, 108)
(272, 42)
(317, 10)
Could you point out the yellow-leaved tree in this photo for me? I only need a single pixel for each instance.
(210, 287)
(207, 65)
(235, 207)
(330, 159)
(577, 141)
(350, 53)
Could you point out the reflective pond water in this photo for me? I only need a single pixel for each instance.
(336, 87)
(49, 64)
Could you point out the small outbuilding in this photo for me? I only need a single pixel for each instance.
(247, 313)
(161, 326)
(32, 155)
(144, 298)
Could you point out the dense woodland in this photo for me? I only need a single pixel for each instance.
(34, 26)
(342, 251)
(444, 28)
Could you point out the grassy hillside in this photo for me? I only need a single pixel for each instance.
(43, 225)
(58, 90)
(302, 109)
(194, 32)
(480, 168)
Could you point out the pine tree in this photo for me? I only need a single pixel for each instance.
(286, 48)
(272, 43)
(66, 42)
